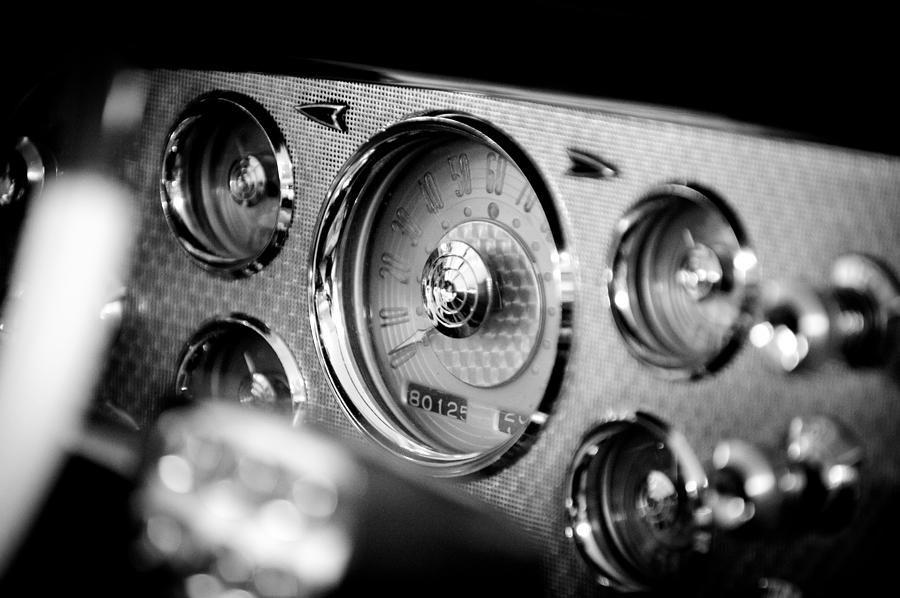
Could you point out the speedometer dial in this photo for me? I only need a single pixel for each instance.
(442, 293)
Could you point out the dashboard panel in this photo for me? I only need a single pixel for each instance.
(762, 210)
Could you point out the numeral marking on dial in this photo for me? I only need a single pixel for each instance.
(431, 194)
(394, 267)
(529, 196)
(392, 316)
(400, 355)
(511, 423)
(461, 173)
(496, 172)
(405, 225)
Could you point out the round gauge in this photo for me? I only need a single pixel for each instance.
(238, 359)
(636, 503)
(22, 172)
(681, 281)
(24, 168)
(227, 184)
(441, 293)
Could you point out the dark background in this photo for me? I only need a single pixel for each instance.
(828, 75)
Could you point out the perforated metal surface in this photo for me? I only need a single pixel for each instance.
(801, 203)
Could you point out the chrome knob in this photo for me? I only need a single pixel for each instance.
(830, 455)
(233, 502)
(222, 508)
(247, 181)
(856, 317)
(813, 485)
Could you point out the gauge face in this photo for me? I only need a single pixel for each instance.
(453, 293)
(237, 359)
(636, 487)
(681, 279)
(227, 184)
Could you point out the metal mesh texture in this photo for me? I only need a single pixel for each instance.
(802, 204)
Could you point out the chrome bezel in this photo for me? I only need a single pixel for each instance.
(333, 323)
(39, 167)
(203, 107)
(745, 273)
(215, 325)
(591, 540)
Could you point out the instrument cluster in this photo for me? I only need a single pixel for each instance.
(609, 325)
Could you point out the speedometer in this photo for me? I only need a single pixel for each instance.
(441, 293)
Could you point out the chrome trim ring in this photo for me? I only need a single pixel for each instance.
(201, 345)
(362, 394)
(212, 214)
(682, 307)
(26, 172)
(595, 526)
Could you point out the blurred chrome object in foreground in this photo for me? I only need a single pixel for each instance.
(221, 500)
(235, 500)
(77, 236)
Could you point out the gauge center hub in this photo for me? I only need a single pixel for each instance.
(480, 279)
(701, 272)
(658, 501)
(458, 289)
(247, 181)
(263, 391)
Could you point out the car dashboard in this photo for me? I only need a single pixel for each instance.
(489, 336)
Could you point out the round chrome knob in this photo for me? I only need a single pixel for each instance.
(856, 317)
(745, 487)
(813, 485)
(458, 289)
(831, 455)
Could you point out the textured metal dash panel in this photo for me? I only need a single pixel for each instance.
(801, 203)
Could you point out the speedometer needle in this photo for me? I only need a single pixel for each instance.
(407, 348)
(418, 336)
(250, 366)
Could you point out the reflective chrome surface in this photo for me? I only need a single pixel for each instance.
(458, 289)
(856, 317)
(810, 485)
(227, 184)
(23, 172)
(237, 358)
(635, 505)
(231, 502)
(441, 293)
(681, 284)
